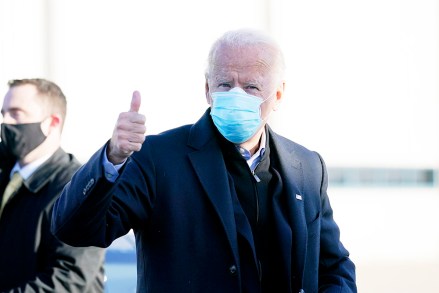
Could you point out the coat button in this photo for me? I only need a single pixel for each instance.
(233, 270)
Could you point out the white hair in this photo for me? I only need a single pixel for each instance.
(243, 38)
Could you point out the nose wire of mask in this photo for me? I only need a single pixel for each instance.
(235, 89)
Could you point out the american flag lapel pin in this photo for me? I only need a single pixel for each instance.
(298, 196)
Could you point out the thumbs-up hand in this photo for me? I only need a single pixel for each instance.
(128, 134)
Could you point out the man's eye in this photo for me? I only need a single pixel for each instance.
(252, 87)
(224, 85)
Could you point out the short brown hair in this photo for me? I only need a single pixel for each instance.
(49, 92)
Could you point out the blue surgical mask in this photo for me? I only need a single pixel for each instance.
(236, 114)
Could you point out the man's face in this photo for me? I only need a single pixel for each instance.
(250, 69)
(23, 105)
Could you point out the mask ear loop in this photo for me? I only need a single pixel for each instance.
(263, 101)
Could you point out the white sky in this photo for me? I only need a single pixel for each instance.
(361, 84)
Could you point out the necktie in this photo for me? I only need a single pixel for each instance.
(12, 187)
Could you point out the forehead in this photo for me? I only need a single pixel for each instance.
(251, 61)
(23, 98)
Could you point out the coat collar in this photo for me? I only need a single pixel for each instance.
(44, 173)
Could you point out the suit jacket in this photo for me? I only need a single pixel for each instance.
(31, 258)
(175, 194)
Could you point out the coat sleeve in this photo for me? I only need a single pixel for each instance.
(79, 213)
(336, 270)
(93, 211)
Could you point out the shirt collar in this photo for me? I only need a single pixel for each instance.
(30, 168)
(259, 153)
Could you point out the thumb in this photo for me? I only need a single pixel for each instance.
(135, 102)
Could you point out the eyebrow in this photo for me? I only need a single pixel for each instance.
(13, 109)
(219, 78)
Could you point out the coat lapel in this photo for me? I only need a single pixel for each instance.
(208, 163)
(292, 177)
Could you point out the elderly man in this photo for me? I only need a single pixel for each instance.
(223, 205)
(33, 171)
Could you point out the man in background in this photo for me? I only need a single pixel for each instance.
(33, 172)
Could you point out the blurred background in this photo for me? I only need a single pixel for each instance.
(362, 90)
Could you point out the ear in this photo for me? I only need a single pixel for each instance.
(279, 95)
(54, 121)
(206, 92)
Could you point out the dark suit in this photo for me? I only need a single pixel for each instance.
(175, 194)
(31, 258)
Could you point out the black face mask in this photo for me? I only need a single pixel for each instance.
(20, 139)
